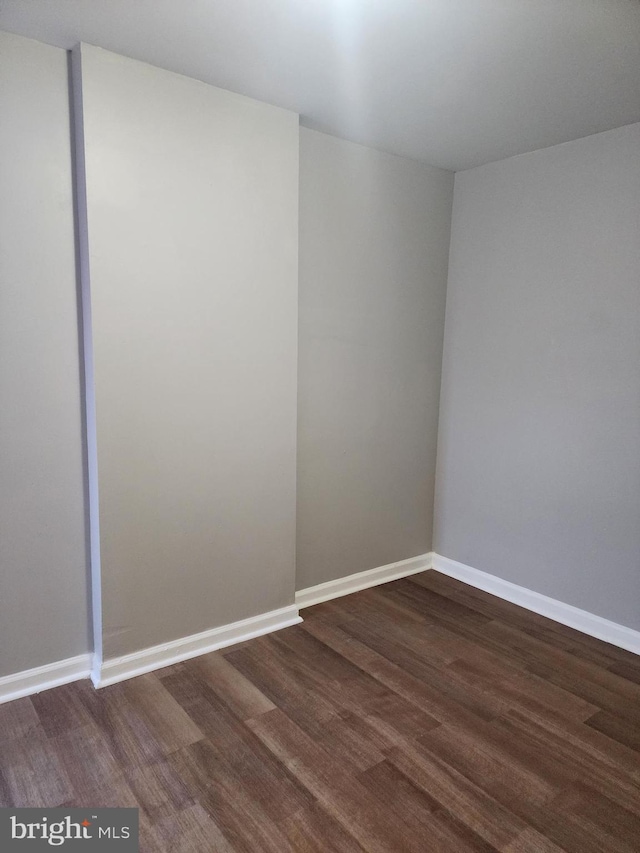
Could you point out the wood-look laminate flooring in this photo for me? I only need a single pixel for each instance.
(422, 716)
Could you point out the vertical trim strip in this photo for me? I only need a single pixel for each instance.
(87, 348)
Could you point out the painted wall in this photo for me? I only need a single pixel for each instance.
(538, 470)
(43, 582)
(538, 459)
(192, 197)
(374, 240)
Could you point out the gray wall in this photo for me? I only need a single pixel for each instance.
(374, 238)
(192, 203)
(539, 469)
(43, 584)
(539, 450)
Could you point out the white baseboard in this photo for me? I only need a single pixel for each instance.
(362, 580)
(156, 657)
(55, 674)
(31, 681)
(566, 614)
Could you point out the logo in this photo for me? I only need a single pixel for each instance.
(75, 829)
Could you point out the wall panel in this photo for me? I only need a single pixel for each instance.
(43, 560)
(191, 256)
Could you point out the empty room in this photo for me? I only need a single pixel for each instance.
(320, 426)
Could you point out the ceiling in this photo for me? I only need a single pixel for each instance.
(454, 83)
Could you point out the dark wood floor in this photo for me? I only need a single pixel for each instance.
(419, 716)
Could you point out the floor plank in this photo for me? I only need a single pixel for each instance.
(313, 830)
(232, 687)
(19, 718)
(32, 772)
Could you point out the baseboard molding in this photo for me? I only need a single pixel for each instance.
(156, 657)
(31, 681)
(362, 580)
(566, 614)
